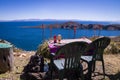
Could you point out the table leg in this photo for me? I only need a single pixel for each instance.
(89, 75)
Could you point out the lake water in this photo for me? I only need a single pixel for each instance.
(30, 38)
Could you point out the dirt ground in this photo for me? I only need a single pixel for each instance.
(112, 67)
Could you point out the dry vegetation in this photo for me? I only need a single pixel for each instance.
(19, 63)
(112, 68)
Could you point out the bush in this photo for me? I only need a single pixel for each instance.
(43, 50)
(113, 48)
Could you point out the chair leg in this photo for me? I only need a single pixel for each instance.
(61, 75)
(81, 73)
(103, 68)
(82, 76)
(89, 75)
(51, 71)
(93, 66)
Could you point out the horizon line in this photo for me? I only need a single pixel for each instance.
(59, 19)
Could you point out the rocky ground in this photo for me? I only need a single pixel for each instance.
(112, 67)
(20, 60)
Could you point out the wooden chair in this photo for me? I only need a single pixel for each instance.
(98, 45)
(70, 66)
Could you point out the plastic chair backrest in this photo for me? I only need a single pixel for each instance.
(99, 45)
(73, 52)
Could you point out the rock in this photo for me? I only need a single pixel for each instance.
(23, 55)
(34, 69)
(35, 64)
(32, 76)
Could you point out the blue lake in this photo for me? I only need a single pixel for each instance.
(30, 38)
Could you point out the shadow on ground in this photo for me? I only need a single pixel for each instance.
(114, 77)
(110, 76)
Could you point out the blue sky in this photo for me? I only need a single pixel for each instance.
(95, 10)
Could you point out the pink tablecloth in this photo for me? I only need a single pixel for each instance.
(55, 46)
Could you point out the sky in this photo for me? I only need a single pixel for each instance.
(94, 10)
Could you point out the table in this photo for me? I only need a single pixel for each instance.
(54, 46)
(65, 41)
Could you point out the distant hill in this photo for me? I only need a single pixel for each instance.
(77, 25)
(70, 24)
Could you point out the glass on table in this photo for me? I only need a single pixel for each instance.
(59, 38)
(55, 39)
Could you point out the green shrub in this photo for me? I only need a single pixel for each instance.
(113, 48)
(43, 50)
